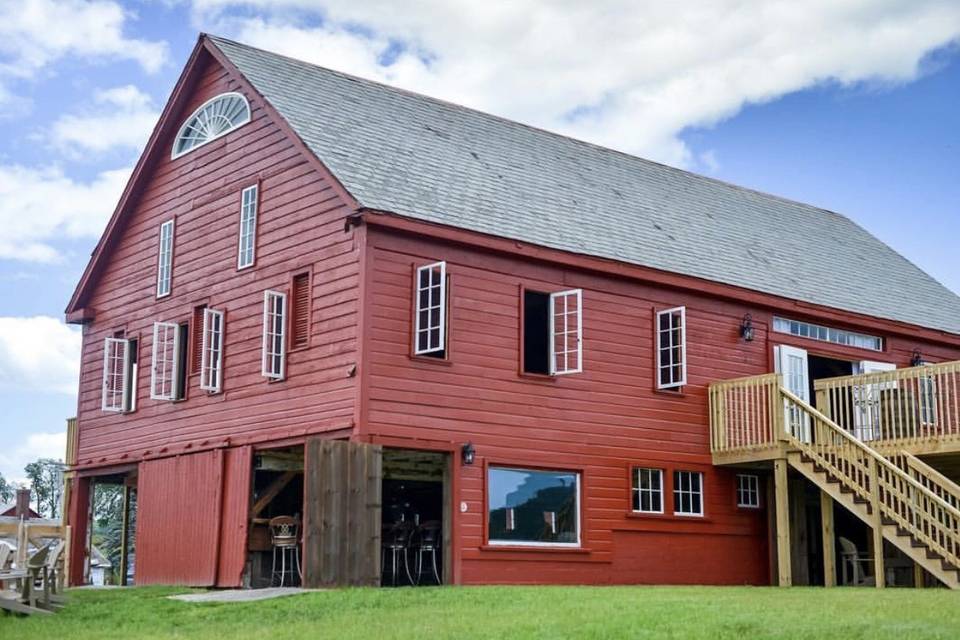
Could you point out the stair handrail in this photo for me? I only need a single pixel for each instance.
(922, 518)
(942, 482)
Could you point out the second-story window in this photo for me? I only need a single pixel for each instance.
(211, 358)
(119, 375)
(168, 361)
(274, 334)
(248, 227)
(430, 314)
(671, 331)
(552, 332)
(165, 259)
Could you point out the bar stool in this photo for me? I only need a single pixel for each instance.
(285, 538)
(426, 548)
(396, 542)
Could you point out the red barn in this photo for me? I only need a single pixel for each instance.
(457, 348)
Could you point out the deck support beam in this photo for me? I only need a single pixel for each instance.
(879, 568)
(780, 479)
(827, 531)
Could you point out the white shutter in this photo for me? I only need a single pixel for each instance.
(274, 353)
(164, 365)
(566, 335)
(211, 351)
(116, 364)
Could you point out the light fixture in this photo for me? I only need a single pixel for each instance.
(746, 328)
(917, 360)
(467, 453)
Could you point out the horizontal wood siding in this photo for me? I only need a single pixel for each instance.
(300, 226)
(602, 422)
(235, 516)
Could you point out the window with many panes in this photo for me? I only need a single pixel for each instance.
(532, 507)
(119, 391)
(274, 334)
(648, 490)
(211, 351)
(246, 252)
(552, 332)
(828, 334)
(430, 316)
(165, 373)
(687, 493)
(671, 348)
(748, 490)
(165, 259)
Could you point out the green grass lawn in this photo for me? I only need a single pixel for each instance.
(507, 612)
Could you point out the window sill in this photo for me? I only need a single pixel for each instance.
(672, 393)
(535, 549)
(446, 362)
(669, 517)
(542, 377)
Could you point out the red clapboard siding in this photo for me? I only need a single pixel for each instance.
(236, 512)
(178, 519)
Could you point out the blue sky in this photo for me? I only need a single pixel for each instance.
(827, 104)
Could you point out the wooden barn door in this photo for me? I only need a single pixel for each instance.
(178, 519)
(342, 487)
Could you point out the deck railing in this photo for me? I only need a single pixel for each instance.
(746, 414)
(900, 408)
(929, 477)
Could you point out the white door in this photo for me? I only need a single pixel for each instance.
(867, 400)
(792, 363)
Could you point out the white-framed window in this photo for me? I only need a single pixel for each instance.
(748, 490)
(566, 346)
(216, 117)
(687, 493)
(827, 334)
(165, 361)
(211, 351)
(116, 374)
(165, 259)
(671, 348)
(430, 309)
(530, 507)
(927, 392)
(274, 334)
(648, 490)
(246, 252)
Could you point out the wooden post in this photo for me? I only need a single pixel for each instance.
(827, 533)
(64, 576)
(879, 568)
(919, 579)
(785, 576)
(125, 535)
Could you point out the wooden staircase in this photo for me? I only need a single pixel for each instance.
(903, 500)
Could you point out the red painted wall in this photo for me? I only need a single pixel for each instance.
(235, 514)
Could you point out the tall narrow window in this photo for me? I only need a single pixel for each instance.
(211, 365)
(648, 490)
(671, 348)
(164, 382)
(300, 308)
(431, 306)
(274, 334)
(248, 227)
(552, 332)
(165, 259)
(687, 493)
(116, 381)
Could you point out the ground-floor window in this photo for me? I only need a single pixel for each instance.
(648, 490)
(533, 507)
(687, 493)
(748, 490)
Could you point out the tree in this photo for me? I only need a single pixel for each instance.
(7, 490)
(46, 483)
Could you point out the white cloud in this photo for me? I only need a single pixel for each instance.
(36, 33)
(122, 117)
(40, 205)
(39, 354)
(630, 75)
(33, 446)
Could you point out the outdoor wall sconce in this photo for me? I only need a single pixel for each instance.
(746, 328)
(467, 453)
(917, 360)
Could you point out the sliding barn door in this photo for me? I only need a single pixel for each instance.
(342, 488)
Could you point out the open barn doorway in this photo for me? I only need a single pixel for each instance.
(110, 545)
(276, 518)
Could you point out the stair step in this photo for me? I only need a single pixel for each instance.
(916, 544)
(933, 555)
(946, 566)
(888, 522)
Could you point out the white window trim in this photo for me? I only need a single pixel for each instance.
(175, 362)
(529, 543)
(255, 206)
(756, 490)
(636, 490)
(578, 294)
(417, 309)
(165, 269)
(211, 378)
(124, 381)
(683, 348)
(703, 496)
(267, 295)
(173, 153)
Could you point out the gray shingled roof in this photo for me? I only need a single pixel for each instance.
(424, 158)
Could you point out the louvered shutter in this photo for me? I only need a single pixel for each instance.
(300, 332)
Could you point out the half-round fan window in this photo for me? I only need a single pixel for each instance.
(215, 117)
